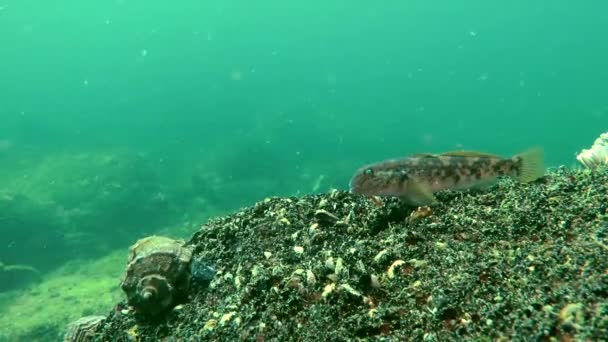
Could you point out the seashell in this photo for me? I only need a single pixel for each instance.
(597, 155)
(420, 213)
(83, 329)
(324, 217)
(158, 274)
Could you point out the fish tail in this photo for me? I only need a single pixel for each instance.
(532, 165)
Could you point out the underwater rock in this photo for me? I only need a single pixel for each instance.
(83, 329)
(32, 234)
(597, 154)
(202, 272)
(15, 276)
(515, 262)
(157, 275)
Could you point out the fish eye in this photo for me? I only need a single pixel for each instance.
(368, 172)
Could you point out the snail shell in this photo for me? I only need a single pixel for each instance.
(82, 329)
(157, 274)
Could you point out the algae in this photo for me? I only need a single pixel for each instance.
(15, 276)
(64, 206)
(70, 206)
(517, 262)
(41, 311)
(26, 228)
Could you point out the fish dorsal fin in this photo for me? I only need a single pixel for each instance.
(422, 155)
(469, 154)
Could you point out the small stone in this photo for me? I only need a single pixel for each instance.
(226, 317)
(311, 279)
(420, 213)
(256, 270)
(361, 267)
(329, 288)
(210, 325)
(298, 249)
(341, 224)
(334, 193)
(441, 245)
(350, 290)
(380, 255)
(313, 229)
(329, 264)
(339, 266)
(572, 314)
(374, 282)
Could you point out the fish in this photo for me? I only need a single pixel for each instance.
(416, 178)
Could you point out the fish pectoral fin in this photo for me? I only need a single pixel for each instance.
(418, 195)
(484, 185)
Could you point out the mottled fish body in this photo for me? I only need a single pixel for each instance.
(415, 178)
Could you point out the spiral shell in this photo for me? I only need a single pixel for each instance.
(158, 274)
(82, 329)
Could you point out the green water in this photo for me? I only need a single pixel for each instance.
(125, 118)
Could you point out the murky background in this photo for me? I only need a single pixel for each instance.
(120, 119)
